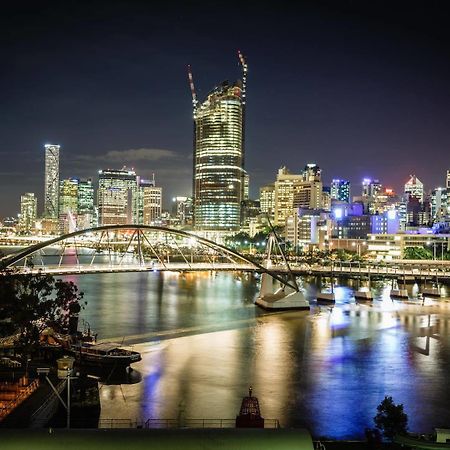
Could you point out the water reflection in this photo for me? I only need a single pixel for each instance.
(326, 369)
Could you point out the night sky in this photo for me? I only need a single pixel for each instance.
(361, 90)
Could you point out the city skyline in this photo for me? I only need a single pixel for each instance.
(375, 106)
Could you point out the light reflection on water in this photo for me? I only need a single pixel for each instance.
(326, 369)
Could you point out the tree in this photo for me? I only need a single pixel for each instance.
(30, 303)
(390, 418)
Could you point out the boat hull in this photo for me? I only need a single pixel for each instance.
(363, 295)
(399, 293)
(431, 292)
(326, 297)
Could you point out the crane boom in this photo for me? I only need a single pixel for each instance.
(244, 74)
(191, 84)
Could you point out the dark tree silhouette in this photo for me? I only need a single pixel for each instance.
(30, 303)
(390, 418)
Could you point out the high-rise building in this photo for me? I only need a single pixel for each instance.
(267, 200)
(152, 204)
(447, 182)
(117, 192)
(414, 188)
(182, 210)
(28, 213)
(284, 194)
(340, 190)
(51, 194)
(218, 182)
(68, 205)
(371, 188)
(86, 209)
(297, 191)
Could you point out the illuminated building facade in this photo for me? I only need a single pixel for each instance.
(267, 200)
(219, 175)
(51, 191)
(340, 190)
(218, 160)
(68, 205)
(115, 196)
(28, 213)
(414, 188)
(151, 202)
(86, 209)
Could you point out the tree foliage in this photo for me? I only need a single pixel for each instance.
(390, 418)
(30, 303)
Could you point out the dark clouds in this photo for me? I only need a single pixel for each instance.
(361, 88)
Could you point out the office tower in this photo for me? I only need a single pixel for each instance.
(447, 183)
(115, 196)
(218, 182)
(340, 190)
(147, 204)
(182, 210)
(267, 200)
(284, 194)
(312, 172)
(86, 210)
(414, 188)
(371, 188)
(51, 193)
(68, 205)
(297, 191)
(246, 187)
(439, 202)
(28, 213)
(152, 203)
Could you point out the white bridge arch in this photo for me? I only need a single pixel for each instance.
(129, 248)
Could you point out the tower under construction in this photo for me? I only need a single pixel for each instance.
(218, 175)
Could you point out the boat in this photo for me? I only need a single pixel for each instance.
(399, 293)
(431, 292)
(327, 297)
(104, 355)
(434, 291)
(363, 294)
(287, 295)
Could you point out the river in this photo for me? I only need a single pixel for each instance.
(203, 343)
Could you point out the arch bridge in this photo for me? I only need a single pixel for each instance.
(130, 248)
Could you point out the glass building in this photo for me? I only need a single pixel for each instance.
(219, 175)
(340, 190)
(28, 212)
(51, 192)
(116, 195)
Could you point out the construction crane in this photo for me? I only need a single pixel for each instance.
(244, 74)
(191, 84)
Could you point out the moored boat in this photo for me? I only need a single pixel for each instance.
(108, 354)
(399, 293)
(365, 295)
(325, 297)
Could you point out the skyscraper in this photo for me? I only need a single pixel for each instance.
(86, 211)
(218, 182)
(414, 187)
(116, 194)
(51, 194)
(340, 190)
(68, 205)
(28, 211)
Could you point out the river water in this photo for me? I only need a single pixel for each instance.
(203, 343)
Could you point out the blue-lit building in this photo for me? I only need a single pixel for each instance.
(340, 190)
